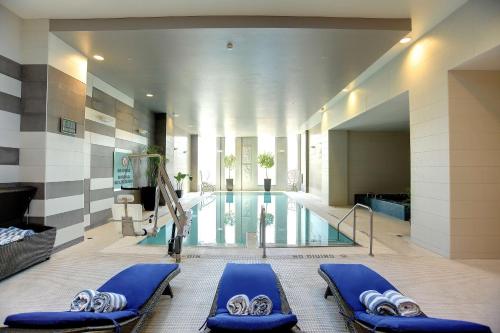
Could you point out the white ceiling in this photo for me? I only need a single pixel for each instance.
(156, 8)
(271, 82)
(392, 115)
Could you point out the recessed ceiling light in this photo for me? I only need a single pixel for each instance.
(149, 95)
(229, 45)
(98, 57)
(405, 40)
(323, 109)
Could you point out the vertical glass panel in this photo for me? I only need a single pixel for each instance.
(229, 149)
(207, 155)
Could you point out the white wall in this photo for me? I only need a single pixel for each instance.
(423, 71)
(10, 35)
(315, 160)
(475, 163)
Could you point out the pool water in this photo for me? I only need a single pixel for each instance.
(230, 219)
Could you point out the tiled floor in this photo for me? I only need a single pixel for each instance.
(468, 290)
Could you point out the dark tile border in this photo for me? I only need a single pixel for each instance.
(63, 189)
(9, 156)
(99, 218)
(65, 219)
(103, 193)
(10, 68)
(64, 246)
(10, 103)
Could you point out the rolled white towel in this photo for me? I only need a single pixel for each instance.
(109, 302)
(261, 305)
(377, 303)
(238, 305)
(83, 301)
(405, 305)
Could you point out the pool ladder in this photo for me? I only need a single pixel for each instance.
(353, 211)
(263, 230)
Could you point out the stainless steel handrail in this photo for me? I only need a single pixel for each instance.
(165, 188)
(353, 211)
(263, 230)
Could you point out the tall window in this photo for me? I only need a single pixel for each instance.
(229, 149)
(293, 152)
(207, 154)
(266, 144)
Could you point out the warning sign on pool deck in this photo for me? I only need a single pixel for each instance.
(122, 171)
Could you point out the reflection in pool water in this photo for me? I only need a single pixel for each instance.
(227, 218)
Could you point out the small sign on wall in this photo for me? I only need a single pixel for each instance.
(68, 126)
(123, 175)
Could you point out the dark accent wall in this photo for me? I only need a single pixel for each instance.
(34, 98)
(65, 99)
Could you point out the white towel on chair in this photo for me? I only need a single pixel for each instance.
(109, 302)
(238, 305)
(261, 305)
(83, 301)
(406, 306)
(377, 303)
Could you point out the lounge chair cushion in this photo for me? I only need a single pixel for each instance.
(225, 321)
(419, 324)
(251, 280)
(138, 283)
(352, 279)
(66, 319)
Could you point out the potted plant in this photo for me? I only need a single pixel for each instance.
(148, 193)
(179, 178)
(266, 161)
(229, 161)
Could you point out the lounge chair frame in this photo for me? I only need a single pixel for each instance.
(285, 306)
(352, 324)
(131, 325)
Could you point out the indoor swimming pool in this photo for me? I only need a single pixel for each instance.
(231, 219)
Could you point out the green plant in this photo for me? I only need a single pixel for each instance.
(266, 161)
(154, 164)
(229, 161)
(269, 218)
(179, 178)
(229, 218)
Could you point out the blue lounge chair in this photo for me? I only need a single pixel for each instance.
(347, 281)
(251, 280)
(141, 284)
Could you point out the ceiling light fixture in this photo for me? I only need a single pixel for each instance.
(405, 40)
(98, 57)
(229, 45)
(345, 90)
(149, 95)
